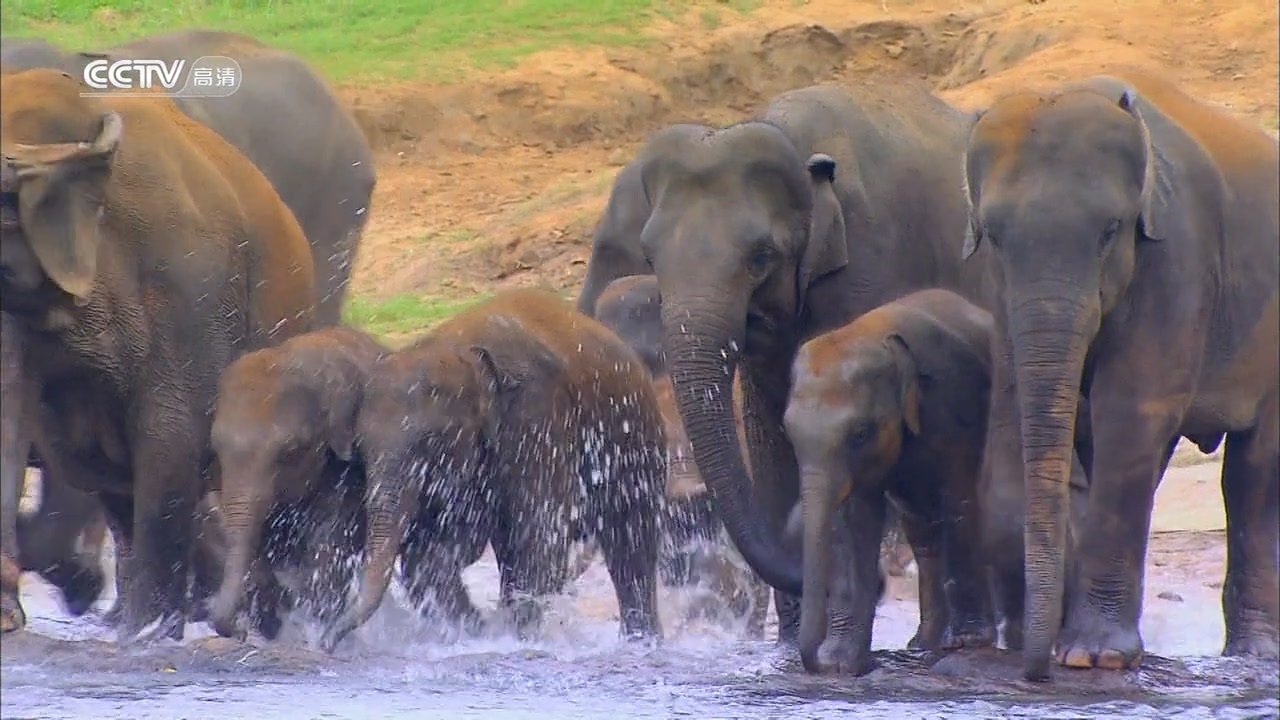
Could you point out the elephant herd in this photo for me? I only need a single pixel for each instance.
(859, 304)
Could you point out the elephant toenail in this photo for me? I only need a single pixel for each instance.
(1077, 658)
(1112, 660)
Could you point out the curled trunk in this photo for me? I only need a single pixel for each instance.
(702, 354)
(1049, 343)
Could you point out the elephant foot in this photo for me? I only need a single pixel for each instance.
(929, 636)
(1093, 642)
(170, 625)
(1260, 643)
(838, 657)
(967, 638)
(269, 624)
(80, 587)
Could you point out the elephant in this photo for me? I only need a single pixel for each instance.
(693, 550)
(62, 539)
(521, 423)
(284, 118)
(1132, 230)
(826, 204)
(892, 407)
(284, 433)
(141, 253)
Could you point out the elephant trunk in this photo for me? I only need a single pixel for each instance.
(817, 497)
(1050, 335)
(702, 351)
(389, 500)
(246, 501)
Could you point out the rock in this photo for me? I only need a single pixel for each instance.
(1169, 595)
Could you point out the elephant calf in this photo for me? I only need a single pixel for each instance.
(891, 406)
(522, 423)
(284, 433)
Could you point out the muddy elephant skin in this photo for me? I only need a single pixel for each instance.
(284, 432)
(892, 406)
(522, 423)
(147, 254)
(1151, 290)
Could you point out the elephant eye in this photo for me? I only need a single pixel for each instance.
(1108, 235)
(762, 260)
(861, 435)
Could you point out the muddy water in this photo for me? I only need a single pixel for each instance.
(399, 667)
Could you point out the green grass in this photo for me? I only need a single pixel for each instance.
(405, 314)
(353, 40)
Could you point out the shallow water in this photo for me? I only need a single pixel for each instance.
(399, 667)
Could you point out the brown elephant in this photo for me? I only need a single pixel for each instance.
(283, 117)
(892, 407)
(284, 432)
(521, 423)
(1133, 230)
(141, 254)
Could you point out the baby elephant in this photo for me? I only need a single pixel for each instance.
(522, 423)
(892, 406)
(284, 431)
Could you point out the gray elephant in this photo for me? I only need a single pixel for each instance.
(762, 234)
(1133, 231)
(283, 117)
(892, 407)
(141, 254)
(284, 432)
(521, 423)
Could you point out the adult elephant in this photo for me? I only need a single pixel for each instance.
(141, 253)
(283, 117)
(765, 233)
(1133, 232)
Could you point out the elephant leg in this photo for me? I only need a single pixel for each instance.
(968, 610)
(1104, 598)
(531, 544)
(760, 593)
(926, 538)
(1251, 491)
(1003, 502)
(775, 477)
(166, 489)
(629, 544)
(119, 516)
(433, 576)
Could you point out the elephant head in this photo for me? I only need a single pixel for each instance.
(853, 403)
(1065, 189)
(58, 152)
(631, 307)
(741, 226)
(282, 415)
(426, 414)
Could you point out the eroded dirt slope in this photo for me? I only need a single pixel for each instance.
(499, 181)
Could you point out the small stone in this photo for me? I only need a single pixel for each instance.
(1168, 595)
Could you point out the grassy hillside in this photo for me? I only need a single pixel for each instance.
(352, 40)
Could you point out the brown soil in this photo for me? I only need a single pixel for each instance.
(499, 181)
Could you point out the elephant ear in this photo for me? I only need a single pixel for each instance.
(908, 385)
(972, 232)
(1157, 188)
(60, 190)
(827, 250)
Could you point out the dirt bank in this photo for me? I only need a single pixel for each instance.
(499, 181)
